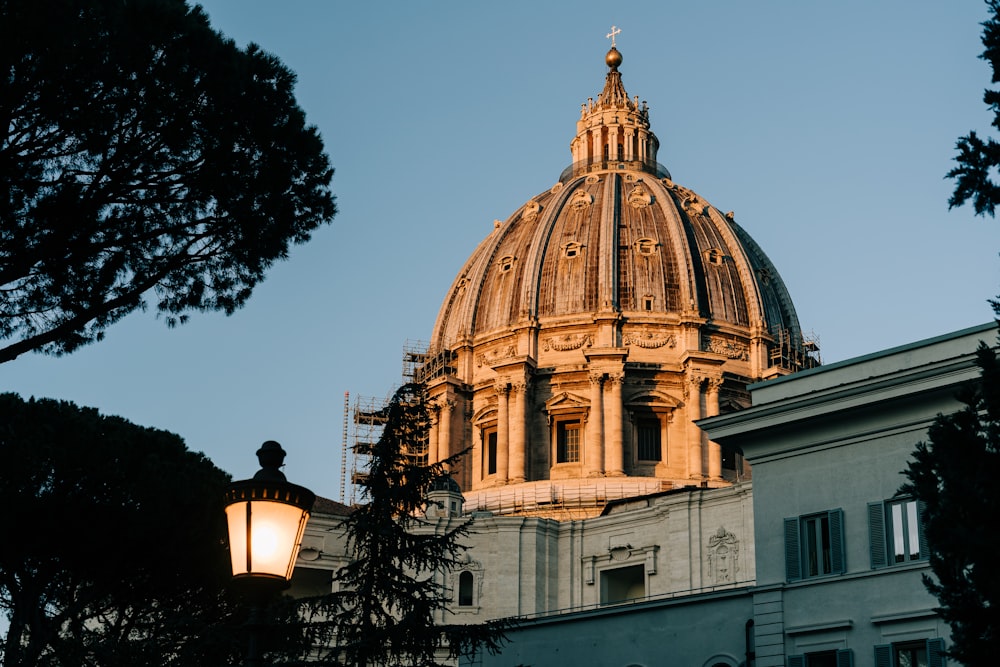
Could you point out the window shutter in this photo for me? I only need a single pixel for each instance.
(797, 661)
(883, 655)
(876, 535)
(935, 652)
(925, 551)
(837, 541)
(845, 658)
(793, 557)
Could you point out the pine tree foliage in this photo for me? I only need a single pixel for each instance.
(113, 551)
(978, 159)
(394, 589)
(955, 474)
(143, 156)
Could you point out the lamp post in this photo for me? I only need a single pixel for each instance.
(266, 516)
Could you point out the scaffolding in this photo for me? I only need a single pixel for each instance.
(794, 353)
(368, 419)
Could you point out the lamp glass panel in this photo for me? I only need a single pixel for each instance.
(275, 532)
(236, 517)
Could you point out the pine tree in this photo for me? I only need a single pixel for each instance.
(393, 587)
(954, 474)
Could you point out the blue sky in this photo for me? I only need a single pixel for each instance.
(826, 127)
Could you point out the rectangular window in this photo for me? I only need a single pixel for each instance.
(490, 444)
(896, 532)
(648, 447)
(568, 438)
(923, 653)
(840, 658)
(814, 545)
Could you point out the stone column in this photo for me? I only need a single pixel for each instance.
(432, 434)
(712, 408)
(614, 462)
(503, 432)
(593, 458)
(444, 430)
(695, 435)
(629, 143)
(518, 444)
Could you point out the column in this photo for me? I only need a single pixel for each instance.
(695, 435)
(444, 430)
(712, 408)
(432, 435)
(614, 462)
(593, 458)
(518, 445)
(503, 433)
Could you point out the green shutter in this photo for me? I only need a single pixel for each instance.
(845, 658)
(797, 661)
(793, 556)
(925, 551)
(876, 535)
(935, 652)
(883, 655)
(837, 541)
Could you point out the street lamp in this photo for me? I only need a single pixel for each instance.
(266, 516)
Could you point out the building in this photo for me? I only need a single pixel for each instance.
(618, 355)
(589, 331)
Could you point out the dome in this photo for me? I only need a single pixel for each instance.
(591, 329)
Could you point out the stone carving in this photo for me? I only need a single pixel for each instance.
(557, 188)
(592, 179)
(648, 340)
(728, 348)
(490, 357)
(639, 197)
(581, 200)
(567, 342)
(723, 556)
(531, 210)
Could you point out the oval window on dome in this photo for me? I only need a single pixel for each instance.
(506, 263)
(646, 246)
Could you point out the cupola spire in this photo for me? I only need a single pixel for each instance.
(613, 131)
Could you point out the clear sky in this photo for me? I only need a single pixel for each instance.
(826, 127)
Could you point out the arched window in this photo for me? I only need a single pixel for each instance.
(465, 581)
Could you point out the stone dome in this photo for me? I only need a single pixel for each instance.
(590, 329)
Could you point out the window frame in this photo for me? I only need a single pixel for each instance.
(489, 439)
(797, 548)
(561, 431)
(882, 532)
(887, 655)
(844, 657)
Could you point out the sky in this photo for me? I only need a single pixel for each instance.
(827, 127)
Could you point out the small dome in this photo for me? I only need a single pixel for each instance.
(445, 483)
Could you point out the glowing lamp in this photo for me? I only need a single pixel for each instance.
(267, 516)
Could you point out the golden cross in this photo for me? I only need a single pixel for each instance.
(611, 35)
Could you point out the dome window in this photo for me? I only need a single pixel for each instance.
(572, 249)
(646, 246)
(506, 263)
(714, 256)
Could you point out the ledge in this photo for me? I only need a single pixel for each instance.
(845, 624)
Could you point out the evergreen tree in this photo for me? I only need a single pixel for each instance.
(393, 588)
(143, 155)
(978, 159)
(954, 474)
(114, 544)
